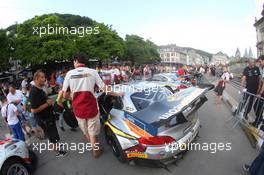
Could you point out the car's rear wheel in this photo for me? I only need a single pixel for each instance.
(14, 167)
(115, 146)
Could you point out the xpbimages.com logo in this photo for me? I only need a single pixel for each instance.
(78, 147)
(61, 30)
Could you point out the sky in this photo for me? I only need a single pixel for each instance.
(209, 25)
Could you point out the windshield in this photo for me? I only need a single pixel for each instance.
(144, 98)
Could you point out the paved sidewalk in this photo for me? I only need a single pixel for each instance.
(3, 128)
(232, 97)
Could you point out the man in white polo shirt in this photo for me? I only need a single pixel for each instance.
(81, 82)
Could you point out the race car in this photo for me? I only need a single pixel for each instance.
(15, 158)
(150, 122)
(173, 81)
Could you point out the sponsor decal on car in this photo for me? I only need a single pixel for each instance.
(171, 112)
(137, 155)
(137, 130)
(139, 127)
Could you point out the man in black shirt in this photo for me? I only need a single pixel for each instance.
(251, 81)
(42, 108)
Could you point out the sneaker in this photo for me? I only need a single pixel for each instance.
(246, 167)
(61, 154)
(62, 128)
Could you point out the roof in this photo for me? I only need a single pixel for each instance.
(261, 20)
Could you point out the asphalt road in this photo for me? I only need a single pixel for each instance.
(214, 129)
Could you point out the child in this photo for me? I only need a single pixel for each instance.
(10, 114)
(221, 85)
(219, 89)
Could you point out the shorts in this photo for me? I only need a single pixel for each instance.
(50, 129)
(219, 90)
(90, 126)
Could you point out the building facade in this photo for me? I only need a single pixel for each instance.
(179, 55)
(259, 24)
(172, 54)
(220, 59)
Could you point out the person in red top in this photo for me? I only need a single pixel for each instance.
(181, 71)
(80, 82)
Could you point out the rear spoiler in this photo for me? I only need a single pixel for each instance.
(151, 119)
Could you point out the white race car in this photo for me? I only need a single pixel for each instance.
(15, 158)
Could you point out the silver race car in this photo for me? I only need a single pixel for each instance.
(151, 123)
(173, 81)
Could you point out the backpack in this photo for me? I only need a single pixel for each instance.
(68, 115)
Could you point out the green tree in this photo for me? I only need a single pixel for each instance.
(33, 49)
(140, 51)
(5, 46)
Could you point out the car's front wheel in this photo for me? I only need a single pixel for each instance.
(115, 146)
(14, 167)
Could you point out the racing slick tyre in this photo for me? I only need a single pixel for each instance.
(115, 146)
(70, 119)
(14, 166)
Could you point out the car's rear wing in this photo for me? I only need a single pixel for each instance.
(159, 113)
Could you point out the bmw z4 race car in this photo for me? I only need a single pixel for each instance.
(173, 81)
(151, 124)
(15, 158)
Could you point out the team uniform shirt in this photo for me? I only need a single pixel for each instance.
(81, 82)
(9, 111)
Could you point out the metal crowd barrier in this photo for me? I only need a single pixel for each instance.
(250, 113)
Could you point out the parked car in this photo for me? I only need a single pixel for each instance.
(16, 158)
(173, 81)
